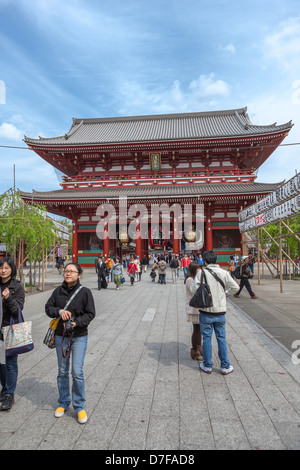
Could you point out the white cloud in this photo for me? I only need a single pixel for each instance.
(10, 132)
(202, 93)
(229, 49)
(206, 87)
(284, 44)
(280, 107)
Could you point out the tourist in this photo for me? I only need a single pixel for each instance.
(174, 264)
(13, 298)
(109, 264)
(231, 265)
(71, 337)
(131, 270)
(213, 318)
(145, 263)
(200, 259)
(245, 276)
(138, 271)
(251, 261)
(192, 314)
(185, 262)
(102, 272)
(59, 263)
(162, 270)
(153, 275)
(153, 271)
(118, 272)
(179, 266)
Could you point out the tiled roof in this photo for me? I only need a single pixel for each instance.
(214, 124)
(145, 192)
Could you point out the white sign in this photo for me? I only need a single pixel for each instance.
(285, 192)
(282, 211)
(63, 231)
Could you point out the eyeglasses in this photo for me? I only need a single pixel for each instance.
(70, 272)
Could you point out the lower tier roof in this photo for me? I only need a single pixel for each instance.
(144, 192)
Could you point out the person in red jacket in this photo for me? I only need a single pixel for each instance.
(185, 262)
(132, 269)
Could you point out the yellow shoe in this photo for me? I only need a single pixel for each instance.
(59, 412)
(82, 417)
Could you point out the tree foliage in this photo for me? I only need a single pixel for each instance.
(26, 222)
(289, 242)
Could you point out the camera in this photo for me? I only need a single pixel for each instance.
(68, 327)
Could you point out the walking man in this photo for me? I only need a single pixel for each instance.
(185, 262)
(245, 275)
(174, 265)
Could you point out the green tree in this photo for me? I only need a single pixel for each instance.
(25, 225)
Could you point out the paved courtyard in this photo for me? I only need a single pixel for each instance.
(143, 390)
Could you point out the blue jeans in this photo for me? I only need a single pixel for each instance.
(9, 374)
(185, 270)
(78, 350)
(208, 323)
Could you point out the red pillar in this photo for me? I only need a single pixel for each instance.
(138, 242)
(208, 230)
(106, 242)
(175, 237)
(75, 240)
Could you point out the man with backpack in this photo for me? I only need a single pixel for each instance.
(174, 265)
(244, 274)
(213, 318)
(162, 269)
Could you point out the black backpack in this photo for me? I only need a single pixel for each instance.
(174, 264)
(237, 273)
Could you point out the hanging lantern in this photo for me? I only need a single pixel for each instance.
(124, 238)
(189, 235)
(160, 238)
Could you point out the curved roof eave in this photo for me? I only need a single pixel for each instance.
(165, 127)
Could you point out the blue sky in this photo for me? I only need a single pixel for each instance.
(61, 59)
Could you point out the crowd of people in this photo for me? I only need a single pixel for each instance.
(72, 306)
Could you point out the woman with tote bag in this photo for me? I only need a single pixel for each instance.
(13, 298)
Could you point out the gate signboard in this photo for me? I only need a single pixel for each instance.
(280, 204)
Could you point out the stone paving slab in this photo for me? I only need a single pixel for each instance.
(143, 390)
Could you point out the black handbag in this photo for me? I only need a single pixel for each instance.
(202, 297)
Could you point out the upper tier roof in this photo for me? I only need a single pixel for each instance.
(188, 126)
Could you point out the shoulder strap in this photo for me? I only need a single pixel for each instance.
(71, 298)
(216, 277)
(203, 277)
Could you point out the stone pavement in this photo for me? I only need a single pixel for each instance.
(144, 392)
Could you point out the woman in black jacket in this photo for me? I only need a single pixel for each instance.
(13, 298)
(71, 332)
